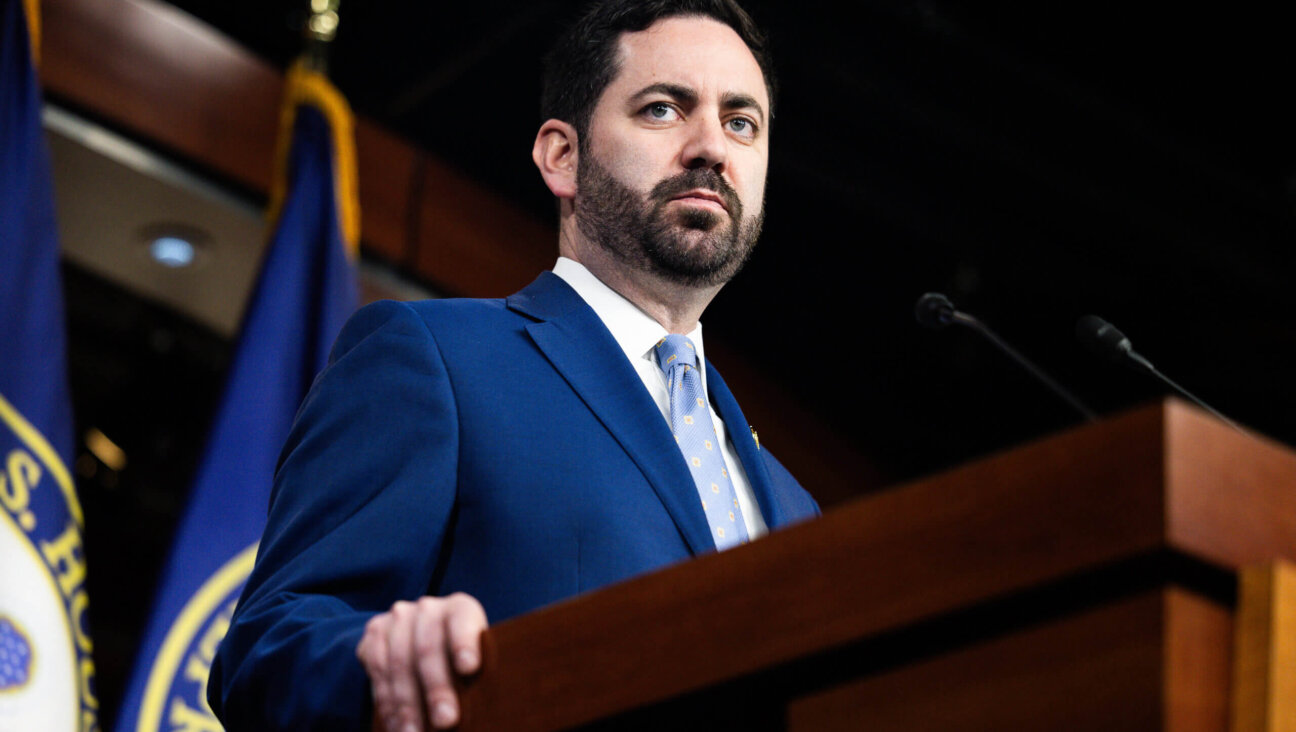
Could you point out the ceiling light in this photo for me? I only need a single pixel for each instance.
(172, 251)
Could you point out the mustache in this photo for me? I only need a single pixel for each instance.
(689, 180)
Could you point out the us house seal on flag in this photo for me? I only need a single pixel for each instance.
(46, 672)
(176, 694)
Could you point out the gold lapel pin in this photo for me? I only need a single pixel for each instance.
(755, 436)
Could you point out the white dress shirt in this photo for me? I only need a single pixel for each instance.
(638, 334)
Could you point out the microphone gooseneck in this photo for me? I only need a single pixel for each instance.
(934, 310)
(1105, 341)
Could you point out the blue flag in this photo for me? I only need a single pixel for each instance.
(305, 292)
(46, 672)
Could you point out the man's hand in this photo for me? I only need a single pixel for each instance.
(407, 652)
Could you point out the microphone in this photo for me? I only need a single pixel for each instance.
(1103, 339)
(935, 311)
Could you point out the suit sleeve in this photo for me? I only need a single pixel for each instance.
(360, 507)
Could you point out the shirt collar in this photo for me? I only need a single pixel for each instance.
(633, 329)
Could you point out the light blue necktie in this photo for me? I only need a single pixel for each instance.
(690, 419)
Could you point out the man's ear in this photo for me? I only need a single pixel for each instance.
(555, 153)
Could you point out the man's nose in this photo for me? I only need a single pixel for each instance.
(706, 146)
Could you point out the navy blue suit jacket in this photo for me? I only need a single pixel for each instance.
(503, 448)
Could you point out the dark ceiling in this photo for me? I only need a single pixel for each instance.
(1035, 164)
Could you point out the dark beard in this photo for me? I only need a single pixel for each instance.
(693, 246)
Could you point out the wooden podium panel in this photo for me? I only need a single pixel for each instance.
(1026, 541)
(1102, 669)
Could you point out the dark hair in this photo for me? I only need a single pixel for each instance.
(584, 60)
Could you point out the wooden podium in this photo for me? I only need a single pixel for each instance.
(1087, 581)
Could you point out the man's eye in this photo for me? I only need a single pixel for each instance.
(742, 126)
(661, 112)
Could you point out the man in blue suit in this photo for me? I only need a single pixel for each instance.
(465, 458)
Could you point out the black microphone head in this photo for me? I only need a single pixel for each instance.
(1102, 338)
(934, 310)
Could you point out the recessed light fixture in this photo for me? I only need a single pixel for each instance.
(175, 245)
(172, 251)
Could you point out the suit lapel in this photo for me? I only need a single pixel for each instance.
(579, 346)
(746, 447)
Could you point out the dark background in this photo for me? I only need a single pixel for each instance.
(1035, 163)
